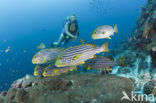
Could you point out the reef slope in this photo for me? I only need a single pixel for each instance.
(72, 88)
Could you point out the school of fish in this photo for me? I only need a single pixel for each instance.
(57, 61)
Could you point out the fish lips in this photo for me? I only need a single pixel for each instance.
(95, 37)
(35, 61)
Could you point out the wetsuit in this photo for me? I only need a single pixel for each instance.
(65, 34)
(72, 31)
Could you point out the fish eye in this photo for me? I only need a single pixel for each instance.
(36, 56)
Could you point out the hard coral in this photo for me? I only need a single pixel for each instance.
(57, 84)
(23, 82)
(148, 87)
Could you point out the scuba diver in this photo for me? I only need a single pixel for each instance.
(70, 31)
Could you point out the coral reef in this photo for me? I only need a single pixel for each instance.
(144, 36)
(139, 51)
(149, 87)
(138, 54)
(137, 72)
(23, 82)
(72, 88)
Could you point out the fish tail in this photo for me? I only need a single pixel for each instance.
(105, 47)
(116, 28)
(106, 72)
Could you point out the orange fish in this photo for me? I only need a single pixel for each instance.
(146, 37)
(25, 51)
(7, 50)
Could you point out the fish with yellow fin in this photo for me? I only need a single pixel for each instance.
(39, 69)
(46, 56)
(122, 61)
(41, 46)
(77, 55)
(101, 63)
(52, 70)
(104, 31)
(82, 41)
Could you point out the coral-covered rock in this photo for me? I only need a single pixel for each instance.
(150, 87)
(1, 100)
(140, 49)
(153, 55)
(20, 96)
(23, 82)
(145, 32)
(4, 93)
(10, 95)
(73, 88)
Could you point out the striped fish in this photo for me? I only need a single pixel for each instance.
(77, 55)
(52, 70)
(46, 56)
(100, 63)
(104, 31)
(39, 69)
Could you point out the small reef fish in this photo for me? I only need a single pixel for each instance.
(154, 49)
(7, 50)
(46, 56)
(101, 63)
(25, 51)
(41, 46)
(38, 71)
(4, 40)
(122, 61)
(52, 70)
(77, 55)
(130, 39)
(82, 41)
(9, 47)
(104, 31)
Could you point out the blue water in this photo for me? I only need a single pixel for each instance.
(26, 23)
